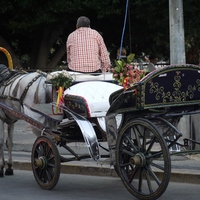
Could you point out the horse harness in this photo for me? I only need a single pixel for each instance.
(23, 93)
(20, 100)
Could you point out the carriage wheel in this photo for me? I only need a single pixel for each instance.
(45, 162)
(143, 159)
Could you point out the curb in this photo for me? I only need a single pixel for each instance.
(185, 176)
(102, 169)
(73, 167)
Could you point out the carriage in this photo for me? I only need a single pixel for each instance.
(139, 124)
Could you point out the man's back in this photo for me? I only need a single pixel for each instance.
(86, 51)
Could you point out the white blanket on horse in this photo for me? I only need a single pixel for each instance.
(96, 94)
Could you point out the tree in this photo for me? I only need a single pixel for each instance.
(36, 31)
(150, 28)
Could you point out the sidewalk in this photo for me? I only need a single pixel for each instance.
(185, 169)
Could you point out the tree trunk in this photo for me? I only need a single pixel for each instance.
(34, 51)
(43, 50)
(57, 57)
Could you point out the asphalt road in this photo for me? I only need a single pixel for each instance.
(79, 187)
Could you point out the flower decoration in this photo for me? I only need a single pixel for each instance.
(126, 73)
(61, 79)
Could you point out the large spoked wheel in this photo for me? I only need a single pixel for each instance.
(45, 162)
(143, 159)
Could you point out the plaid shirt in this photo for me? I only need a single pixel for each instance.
(86, 51)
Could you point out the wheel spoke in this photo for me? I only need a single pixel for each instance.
(48, 151)
(136, 132)
(39, 171)
(38, 151)
(44, 175)
(152, 142)
(124, 151)
(49, 174)
(157, 166)
(153, 175)
(155, 155)
(133, 174)
(149, 182)
(140, 181)
(130, 143)
(144, 140)
(51, 161)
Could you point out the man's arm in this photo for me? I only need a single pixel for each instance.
(104, 55)
(68, 49)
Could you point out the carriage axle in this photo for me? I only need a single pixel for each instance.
(41, 162)
(139, 160)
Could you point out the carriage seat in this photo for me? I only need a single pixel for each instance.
(90, 98)
(79, 77)
(91, 77)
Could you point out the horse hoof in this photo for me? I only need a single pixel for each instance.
(1, 173)
(9, 172)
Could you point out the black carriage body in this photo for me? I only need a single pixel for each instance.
(170, 86)
(77, 104)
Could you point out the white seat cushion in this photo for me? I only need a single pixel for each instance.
(96, 94)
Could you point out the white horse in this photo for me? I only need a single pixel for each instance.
(19, 92)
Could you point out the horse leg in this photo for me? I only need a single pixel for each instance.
(9, 170)
(2, 161)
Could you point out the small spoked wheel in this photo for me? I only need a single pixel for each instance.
(143, 159)
(45, 161)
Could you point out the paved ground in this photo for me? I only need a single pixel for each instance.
(184, 169)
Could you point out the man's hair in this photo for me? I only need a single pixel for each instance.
(152, 57)
(123, 51)
(83, 22)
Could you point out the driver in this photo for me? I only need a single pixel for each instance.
(86, 50)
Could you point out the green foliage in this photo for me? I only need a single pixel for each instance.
(120, 64)
(130, 58)
(30, 25)
(61, 79)
(127, 74)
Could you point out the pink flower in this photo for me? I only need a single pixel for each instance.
(127, 75)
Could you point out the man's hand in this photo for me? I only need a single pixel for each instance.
(106, 68)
